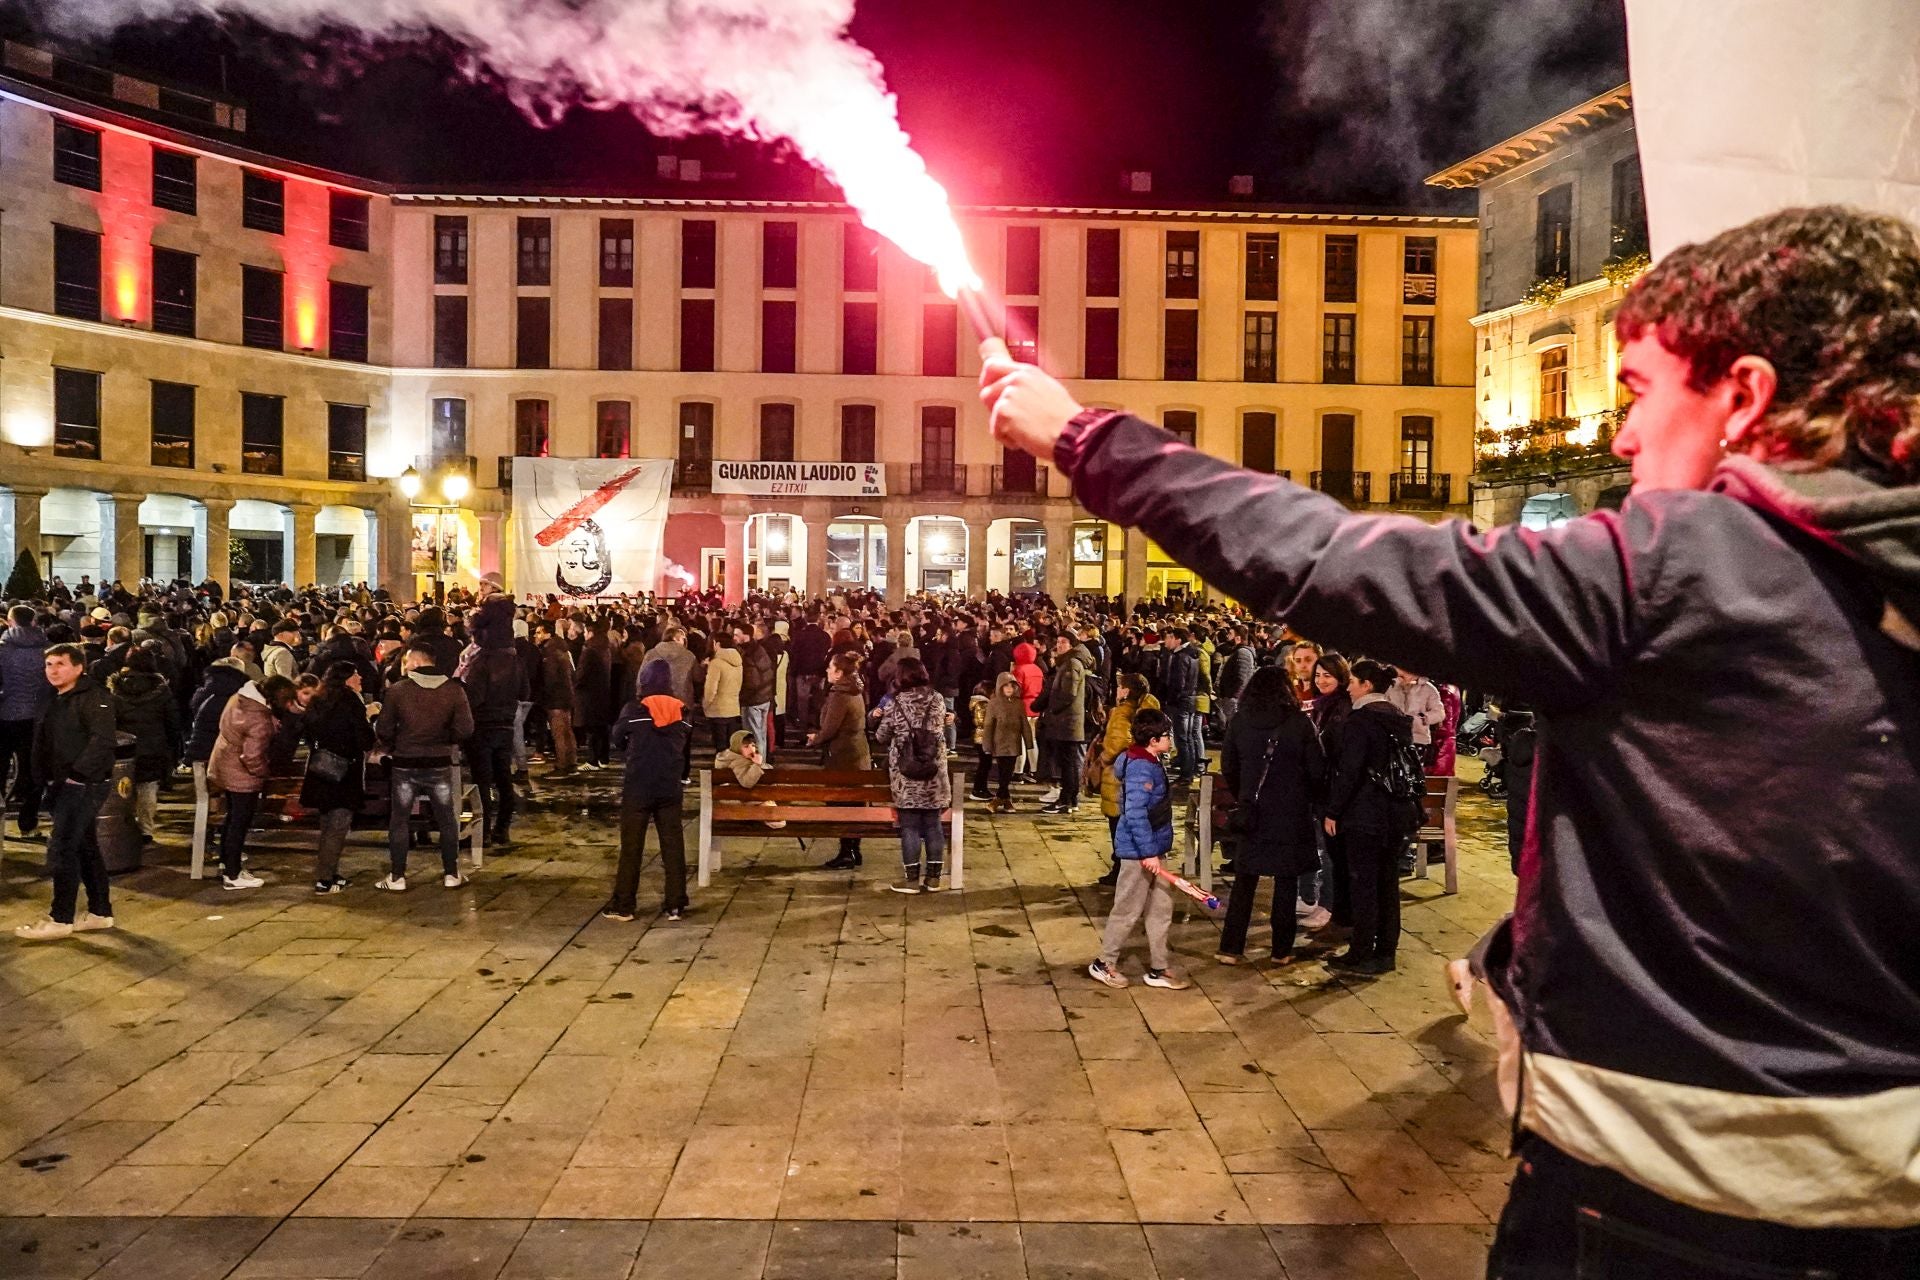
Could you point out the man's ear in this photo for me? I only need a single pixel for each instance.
(1750, 385)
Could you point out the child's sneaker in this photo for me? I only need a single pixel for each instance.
(1099, 972)
(393, 883)
(241, 881)
(1316, 919)
(1170, 978)
(453, 881)
(87, 922)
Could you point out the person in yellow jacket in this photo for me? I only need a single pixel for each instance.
(1131, 696)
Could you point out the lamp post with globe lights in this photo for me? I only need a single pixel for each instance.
(451, 487)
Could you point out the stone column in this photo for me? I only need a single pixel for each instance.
(306, 550)
(1059, 571)
(216, 538)
(736, 581)
(370, 566)
(897, 529)
(491, 542)
(120, 544)
(816, 585)
(396, 549)
(1135, 582)
(26, 523)
(978, 527)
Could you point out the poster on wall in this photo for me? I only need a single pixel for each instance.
(436, 544)
(801, 479)
(588, 527)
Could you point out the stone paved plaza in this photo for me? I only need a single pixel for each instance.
(810, 1076)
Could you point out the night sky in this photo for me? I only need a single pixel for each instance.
(1333, 102)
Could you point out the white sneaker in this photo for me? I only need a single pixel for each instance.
(453, 882)
(43, 930)
(1112, 977)
(241, 881)
(396, 883)
(1318, 918)
(1052, 795)
(89, 923)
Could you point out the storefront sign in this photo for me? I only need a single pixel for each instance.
(801, 479)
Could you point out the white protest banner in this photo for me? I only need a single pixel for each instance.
(801, 479)
(588, 527)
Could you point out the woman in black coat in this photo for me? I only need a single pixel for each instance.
(1325, 889)
(337, 730)
(1274, 764)
(144, 706)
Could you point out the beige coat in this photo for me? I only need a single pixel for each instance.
(722, 697)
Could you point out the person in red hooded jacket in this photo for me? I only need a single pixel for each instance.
(1032, 680)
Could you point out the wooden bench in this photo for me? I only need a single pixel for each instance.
(280, 812)
(814, 803)
(1436, 826)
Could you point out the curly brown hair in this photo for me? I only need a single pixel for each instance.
(1830, 296)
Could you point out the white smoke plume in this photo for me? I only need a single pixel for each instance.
(768, 70)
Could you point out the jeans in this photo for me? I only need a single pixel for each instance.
(952, 731)
(1190, 746)
(1138, 893)
(73, 850)
(520, 736)
(920, 830)
(335, 824)
(491, 755)
(1001, 766)
(566, 754)
(146, 806)
(1373, 872)
(1246, 885)
(756, 718)
(241, 808)
(1036, 762)
(16, 748)
(435, 786)
(1567, 1220)
(1067, 760)
(806, 703)
(666, 819)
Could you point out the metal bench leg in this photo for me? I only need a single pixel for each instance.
(957, 855)
(201, 802)
(1452, 838)
(705, 877)
(1206, 832)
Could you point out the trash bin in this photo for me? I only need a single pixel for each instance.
(119, 834)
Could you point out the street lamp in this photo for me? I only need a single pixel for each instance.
(454, 487)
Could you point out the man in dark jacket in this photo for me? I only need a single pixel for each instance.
(430, 629)
(556, 697)
(1360, 810)
(73, 750)
(224, 678)
(1179, 687)
(1236, 668)
(24, 694)
(758, 666)
(653, 731)
(807, 654)
(423, 721)
(1063, 723)
(496, 686)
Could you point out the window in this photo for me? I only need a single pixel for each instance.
(1336, 349)
(347, 310)
(1629, 235)
(76, 414)
(613, 429)
(533, 332)
(696, 335)
(448, 429)
(1023, 333)
(1341, 269)
(175, 281)
(779, 255)
(1023, 261)
(1183, 346)
(1416, 351)
(940, 340)
(349, 220)
(263, 202)
(778, 541)
(450, 331)
(697, 254)
(1259, 442)
(346, 442)
(262, 308)
(1553, 382)
(1336, 449)
(859, 337)
(1184, 423)
(1416, 449)
(530, 439)
(857, 433)
(262, 434)
(939, 425)
(172, 421)
(449, 249)
(76, 155)
(778, 322)
(1260, 355)
(1103, 342)
(859, 259)
(175, 181)
(696, 438)
(76, 273)
(1263, 267)
(1103, 262)
(1553, 234)
(776, 432)
(616, 253)
(616, 333)
(534, 256)
(1418, 284)
(1183, 264)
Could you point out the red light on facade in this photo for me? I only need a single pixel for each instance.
(126, 291)
(306, 322)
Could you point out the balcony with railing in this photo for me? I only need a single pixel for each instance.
(937, 478)
(1417, 489)
(1019, 482)
(1547, 446)
(1354, 488)
(1420, 288)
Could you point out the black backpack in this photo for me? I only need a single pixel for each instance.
(923, 752)
(1405, 781)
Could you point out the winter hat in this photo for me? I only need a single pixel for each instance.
(656, 677)
(739, 739)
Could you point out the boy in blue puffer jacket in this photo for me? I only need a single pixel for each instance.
(1143, 836)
